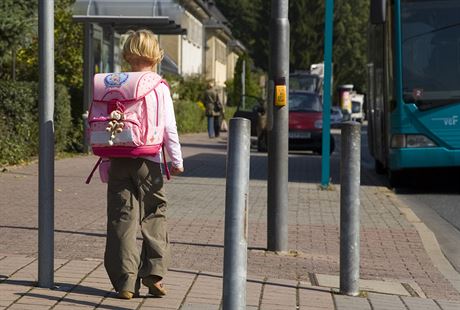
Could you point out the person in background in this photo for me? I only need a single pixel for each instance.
(218, 116)
(211, 102)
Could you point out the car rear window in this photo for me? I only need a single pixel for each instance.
(304, 102)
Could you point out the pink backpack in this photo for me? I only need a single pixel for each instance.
(126, 117)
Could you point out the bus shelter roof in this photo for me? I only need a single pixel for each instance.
(161, 16)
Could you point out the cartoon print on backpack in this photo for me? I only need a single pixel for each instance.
(115, 79)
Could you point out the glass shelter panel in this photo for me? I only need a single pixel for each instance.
(139, 8)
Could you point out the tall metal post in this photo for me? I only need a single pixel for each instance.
(236, 215)
(350, 163)
(87, 81)
(243, 84)
(328, 31)
(46, 153)
(277, 213)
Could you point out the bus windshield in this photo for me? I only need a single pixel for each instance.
(430, 31)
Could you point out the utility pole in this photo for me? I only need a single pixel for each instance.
(326, 135)
(46, 153)
(277, 213)
(243, 85)
(88, 66)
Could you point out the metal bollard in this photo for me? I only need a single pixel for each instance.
(46, 153)
(350, 162)
(236, 214)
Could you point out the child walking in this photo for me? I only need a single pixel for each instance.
(135, 194)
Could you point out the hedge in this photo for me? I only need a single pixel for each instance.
(189, 116)
(19, 123)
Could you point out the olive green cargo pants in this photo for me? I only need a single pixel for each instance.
(135, 197)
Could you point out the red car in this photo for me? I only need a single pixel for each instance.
(305, 123)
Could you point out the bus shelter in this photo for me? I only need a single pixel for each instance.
(105, 22)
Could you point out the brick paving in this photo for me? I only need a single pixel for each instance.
(391, 248)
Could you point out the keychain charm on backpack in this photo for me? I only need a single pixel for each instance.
(115, 125)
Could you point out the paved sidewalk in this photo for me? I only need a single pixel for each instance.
(397, 272)
(84, 285)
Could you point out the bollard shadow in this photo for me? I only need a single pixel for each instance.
(67, 288)
(221, 145)
(211, 245)
(250, 279)
(103, 235)
(77, 302)
(71, 232)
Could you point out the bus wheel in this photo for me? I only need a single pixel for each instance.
(379, 167)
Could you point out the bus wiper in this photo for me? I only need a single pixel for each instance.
(431, 31)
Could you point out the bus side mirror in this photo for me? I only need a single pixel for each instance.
(378, 11)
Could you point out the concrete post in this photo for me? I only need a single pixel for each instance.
(350, 163)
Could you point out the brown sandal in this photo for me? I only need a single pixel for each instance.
(156, 287)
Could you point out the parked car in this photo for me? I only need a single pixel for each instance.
(336, 116)
(305, 123)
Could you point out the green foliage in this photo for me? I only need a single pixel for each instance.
(18, 26)
(20, 121)
(234, 87)
(189, 116)
(188, 88)
(68, 39)
(62, 118)
(188, 91)
(350, 43)
(250, 21)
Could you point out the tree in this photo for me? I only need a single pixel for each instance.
(251, 81)
(350, 42)
(247, 25)
(68, 53)
(17, 27)
(306, 19)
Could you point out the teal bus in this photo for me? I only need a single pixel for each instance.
(413, 102)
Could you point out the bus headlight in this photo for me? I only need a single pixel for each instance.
(411, 141)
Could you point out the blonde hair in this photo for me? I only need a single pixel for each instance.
(142, 48)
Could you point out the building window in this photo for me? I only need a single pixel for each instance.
(221, 52)
(194, 29)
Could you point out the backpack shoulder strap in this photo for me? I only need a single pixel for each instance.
(94, 170)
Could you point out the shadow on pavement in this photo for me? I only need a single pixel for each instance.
(303, 167)
(79, 303)
(432, 181)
